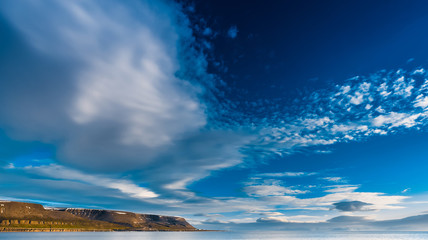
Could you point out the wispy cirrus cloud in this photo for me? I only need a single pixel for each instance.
(270, 188)
(286, 174)
(334, 179)
(62, 173)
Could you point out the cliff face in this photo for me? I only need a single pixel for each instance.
(20, 210)
(18, 216)
(134, 220)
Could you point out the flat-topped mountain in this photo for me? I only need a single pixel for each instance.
(133, 220)
(20, 216)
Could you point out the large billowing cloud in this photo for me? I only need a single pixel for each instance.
(118, 88)
(109, 85)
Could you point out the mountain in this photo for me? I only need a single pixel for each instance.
(133, 220)
(20, 216)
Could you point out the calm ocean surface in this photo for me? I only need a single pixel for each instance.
(212, 235)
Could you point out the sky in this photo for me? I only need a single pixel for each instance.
(277, 115)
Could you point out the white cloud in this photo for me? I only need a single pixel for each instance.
(378, 200)
(276, 219)
(365, 87)
(345, 89)
(334, 179)
(286, 174)
(421, 101)
(397, 120)
(271, 214)
(294, 219)
(403, 86)
(395, 101)
(357, 99)
(63, 173)
(419, 71)
(380, 109)
(276, 200)
(258, 187)
(405, 190)
(271, 190)
(341, 188)
(383, 89)
(368, 107)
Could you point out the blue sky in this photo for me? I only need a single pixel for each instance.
(286, 115)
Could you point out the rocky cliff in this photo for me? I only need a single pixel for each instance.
(133, 220)
(19, 216)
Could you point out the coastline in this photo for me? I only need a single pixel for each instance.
(95, 230)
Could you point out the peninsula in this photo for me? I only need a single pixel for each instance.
(30, 217)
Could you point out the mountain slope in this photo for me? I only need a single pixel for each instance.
(134, 220)
(19, 216)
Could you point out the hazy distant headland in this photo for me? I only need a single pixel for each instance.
(30, 217)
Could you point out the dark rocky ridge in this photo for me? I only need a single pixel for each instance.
(19, 216)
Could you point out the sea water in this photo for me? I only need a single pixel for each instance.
(251, 235)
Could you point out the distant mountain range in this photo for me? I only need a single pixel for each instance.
(30, 217)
